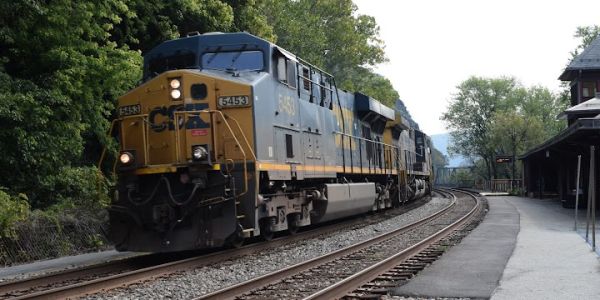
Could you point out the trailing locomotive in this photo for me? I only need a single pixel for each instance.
(230, 136)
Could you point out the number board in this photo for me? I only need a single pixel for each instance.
(233, 101)
(502, 159)
(129, 110)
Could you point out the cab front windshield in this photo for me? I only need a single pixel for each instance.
(233, 61)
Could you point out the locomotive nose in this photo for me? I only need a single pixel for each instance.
(166, 120)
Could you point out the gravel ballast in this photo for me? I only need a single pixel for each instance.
(197, 282)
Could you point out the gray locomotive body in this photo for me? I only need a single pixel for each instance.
(312, 152)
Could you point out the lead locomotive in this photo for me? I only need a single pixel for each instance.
(230, 136)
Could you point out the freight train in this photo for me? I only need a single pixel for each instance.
(230, 136)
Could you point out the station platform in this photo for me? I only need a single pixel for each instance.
(62, 263)
(524, 249)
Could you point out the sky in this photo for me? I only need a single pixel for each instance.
(433, 46)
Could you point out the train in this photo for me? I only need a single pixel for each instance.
(229, 137)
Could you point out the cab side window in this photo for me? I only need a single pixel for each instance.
(286, 72)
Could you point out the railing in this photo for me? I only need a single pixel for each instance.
(223, 117)
(372, 163)
(145, 131)
(499, 185)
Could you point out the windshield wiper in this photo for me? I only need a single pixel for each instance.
(214, 55)
(235, 58)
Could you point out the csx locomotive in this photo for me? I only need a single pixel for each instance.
(230, 136)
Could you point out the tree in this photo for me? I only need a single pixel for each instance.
(372, 84)
(513, 132)
(59, 77)
(492, 117)
(469, 114)
(149, 23)
(331, 35)
(587, 34)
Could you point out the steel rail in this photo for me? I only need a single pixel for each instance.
(247, 286)
(342, 288)
(125, 278)
(6, 288)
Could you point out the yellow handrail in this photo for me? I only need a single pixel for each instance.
(214, 137)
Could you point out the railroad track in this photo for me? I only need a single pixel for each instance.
(366, 269)
(91, 279)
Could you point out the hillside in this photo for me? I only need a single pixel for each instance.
(441, 142)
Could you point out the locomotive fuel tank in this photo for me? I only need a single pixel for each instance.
(343, 200)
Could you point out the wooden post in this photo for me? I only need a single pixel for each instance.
(577, 189)
(594, 204)
(591, 189)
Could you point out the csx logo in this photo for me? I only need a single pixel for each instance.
(193, 120)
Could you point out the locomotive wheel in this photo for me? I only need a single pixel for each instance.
(265, 229)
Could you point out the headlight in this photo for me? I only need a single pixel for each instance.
(199, 153)
(126, 158)
(175, 94)
(175, 83)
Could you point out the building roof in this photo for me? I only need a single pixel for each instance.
(588, 107)
(589, 59)
(583, 132)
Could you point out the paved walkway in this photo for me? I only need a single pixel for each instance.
(457, 273)
(63, 263)
(549, 261)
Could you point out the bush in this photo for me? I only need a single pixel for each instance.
(72, 225)
(83, 187)
(12, 211)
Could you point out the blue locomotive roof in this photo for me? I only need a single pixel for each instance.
(185, 52)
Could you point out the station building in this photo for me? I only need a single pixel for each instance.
(550, 169)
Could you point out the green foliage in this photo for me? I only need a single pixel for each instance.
(462, 178)
(497, 116)
(80, 187)
(149, 23)
(63, 64)
(587, 34)
(62, 74)
(372, 84)
(39, 134)
(331, 35)
(12, 210)
(470, 111)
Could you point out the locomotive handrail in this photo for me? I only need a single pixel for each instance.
(369, 143)
(364, 139)
(214, 137)
(111, 128)
(242, 132)
(145, 130)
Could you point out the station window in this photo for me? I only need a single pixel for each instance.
(588, 89)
